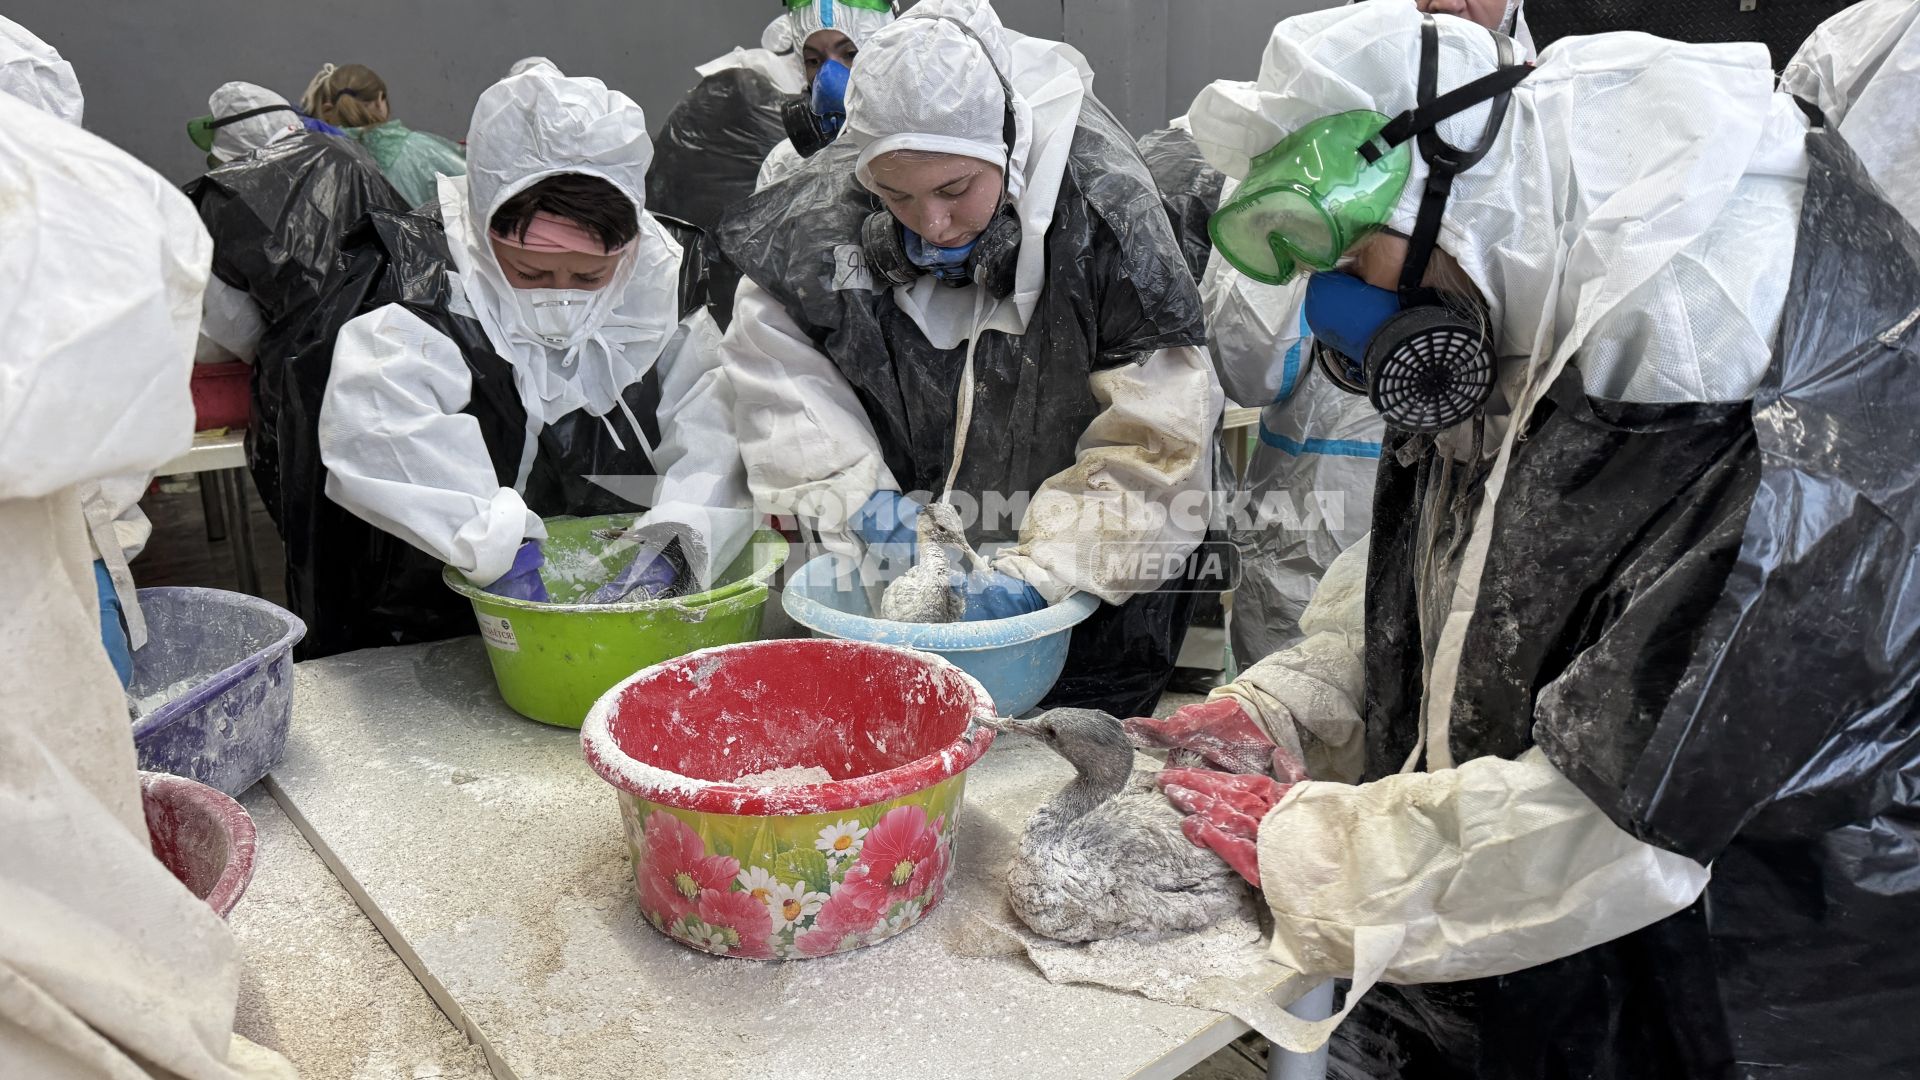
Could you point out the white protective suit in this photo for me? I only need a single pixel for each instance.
(108, 966)
(1665, 271)
(1310, 481)
(811, 449)
(528, 63)
(403, 457)
(803, 22)
(230, 322)
(778, 58)
(1862, 68)
(32, 71)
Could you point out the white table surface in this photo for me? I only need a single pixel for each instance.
(210, 453)
(490, 856)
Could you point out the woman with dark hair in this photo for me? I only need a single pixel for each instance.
(524, 350)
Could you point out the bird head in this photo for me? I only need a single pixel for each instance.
(1092, 740)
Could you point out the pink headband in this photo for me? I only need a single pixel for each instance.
(549, 232)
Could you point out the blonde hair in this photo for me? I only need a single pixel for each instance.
(346, 96)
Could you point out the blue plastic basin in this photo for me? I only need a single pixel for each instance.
(228, 724)
(1018, 660)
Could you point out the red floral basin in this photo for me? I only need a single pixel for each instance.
(766, 871)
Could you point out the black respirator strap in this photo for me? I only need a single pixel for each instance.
(1445, 161)
(249, 114)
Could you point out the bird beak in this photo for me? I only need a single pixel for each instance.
(997, 723)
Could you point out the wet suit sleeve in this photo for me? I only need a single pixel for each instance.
(1136, 497)
(1309, 697)
(401, 455)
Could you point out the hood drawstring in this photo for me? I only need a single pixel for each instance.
(633, 424)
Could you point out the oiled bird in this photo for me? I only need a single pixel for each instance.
(1105, 857)
(925, 593)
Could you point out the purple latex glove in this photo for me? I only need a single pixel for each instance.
(647, 577)
(522, 581)
(993, 595)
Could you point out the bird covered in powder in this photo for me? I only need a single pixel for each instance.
(1105, 857)
(926, 593)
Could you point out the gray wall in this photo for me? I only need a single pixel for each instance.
(147, 67)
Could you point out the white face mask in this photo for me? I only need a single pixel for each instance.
(558, 317)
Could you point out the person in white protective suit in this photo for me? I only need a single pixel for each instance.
(277, 206)
(33, 72)
(1009, 330)
(109, 967)
(1862, 69)
(1636, 601)
(828, 34)
(1308, 492)
(243, 118)
(557, 371)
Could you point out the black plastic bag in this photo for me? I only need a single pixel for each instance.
(1190, 188)
(709, 154)
(276, 218)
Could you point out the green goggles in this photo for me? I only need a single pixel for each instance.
(1317, 193)
(201, 129)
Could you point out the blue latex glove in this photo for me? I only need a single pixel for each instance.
(994, 595)
(522, 581)
(113, 624)
(889, 524)
(649, 575)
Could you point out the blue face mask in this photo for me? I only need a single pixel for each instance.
(1345, 313)
(947, 264)
(828, 98)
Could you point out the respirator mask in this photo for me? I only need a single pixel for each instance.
(1425, 364)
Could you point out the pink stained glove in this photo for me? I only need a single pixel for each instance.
(1216, 734)
(1223, 811)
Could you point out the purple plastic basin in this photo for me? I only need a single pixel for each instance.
(228, 725)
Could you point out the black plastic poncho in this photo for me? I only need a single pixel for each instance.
(1118, 290)
(706, 162)
(1708, 617)
(358, 587)
(276, 218)
(1189, 187)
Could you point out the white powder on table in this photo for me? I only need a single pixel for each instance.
(791, 776)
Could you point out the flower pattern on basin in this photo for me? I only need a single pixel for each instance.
(763, 888)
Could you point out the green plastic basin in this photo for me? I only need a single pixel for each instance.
(553, 661)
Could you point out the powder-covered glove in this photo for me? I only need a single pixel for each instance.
(1223, 811)
(648, 576)
(888, 522)
(1216, 734)
(991, 594)
(522, 581)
